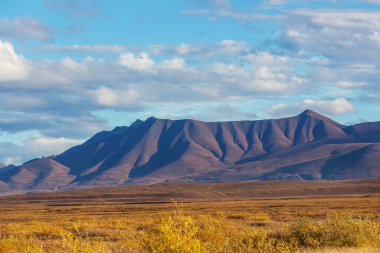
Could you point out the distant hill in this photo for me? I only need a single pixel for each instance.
(308, 146)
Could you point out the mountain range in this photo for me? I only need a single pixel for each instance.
(308, 146)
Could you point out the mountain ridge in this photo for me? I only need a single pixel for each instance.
(308, 146)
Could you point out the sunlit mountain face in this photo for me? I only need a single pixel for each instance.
(308, 146)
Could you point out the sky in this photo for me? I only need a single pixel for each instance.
(72, 68)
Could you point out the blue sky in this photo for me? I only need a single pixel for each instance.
(69, 69)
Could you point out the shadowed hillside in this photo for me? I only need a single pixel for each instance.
(308, 146)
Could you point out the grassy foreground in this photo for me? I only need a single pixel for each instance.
(340, 223)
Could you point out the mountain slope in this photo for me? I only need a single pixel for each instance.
(366, 132)
(360, 163)
(308, 146)
(42, 173)
(163, 148)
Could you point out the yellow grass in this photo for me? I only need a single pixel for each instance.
(345, 250)
(304, 224)
(179, 232)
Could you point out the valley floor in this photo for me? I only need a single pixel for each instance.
(222, 217)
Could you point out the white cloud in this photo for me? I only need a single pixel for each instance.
(20, 102)
(275, 62)
(228, 70)
(183, 49)
(375, 36)
(329, 107)
(143, 62)
(266, 73)
(49, 145)
(175, 63)
(234, 47)
(186, 49)
(347, 84)
(73, 66)
(34, 146)
(342, 35)
(224, 47)
(347, 39)
(259, 78)
(268, 80)
(209, 92)
(12, 66)
(107, 97)
(140, 62)
(12, 160)
(23, 28)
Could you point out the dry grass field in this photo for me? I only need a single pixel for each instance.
(260, 216)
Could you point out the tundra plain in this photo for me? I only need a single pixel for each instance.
(259, 216)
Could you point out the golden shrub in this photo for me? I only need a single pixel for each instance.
(340, 230)
(174, 234)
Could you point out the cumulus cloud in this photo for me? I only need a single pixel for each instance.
(92, 84)
(224, 47)
(339, 34)
(144, 63)
(329, 107)
(175, 63)
(260, 79)
(235, 47)
(50, 145)
(117, 98)
(140, 62)
(13, 66)
(24, 28)
(344, 40)
(272, 73)
(58, 97)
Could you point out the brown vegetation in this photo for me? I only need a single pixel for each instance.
(208, 218)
